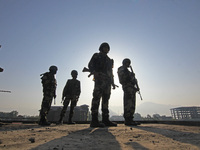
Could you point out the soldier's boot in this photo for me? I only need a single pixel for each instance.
(70, 120)
(130, 122)
(43, 121)
(107, 122)
(95, 122)
(60, 121)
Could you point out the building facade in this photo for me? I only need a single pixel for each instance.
(185, 113)
(81, 113)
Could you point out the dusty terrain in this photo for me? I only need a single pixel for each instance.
(81, 136)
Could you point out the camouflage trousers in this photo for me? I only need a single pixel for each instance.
(129, 102)
(46, 103)
(65, 105)
(102, 89)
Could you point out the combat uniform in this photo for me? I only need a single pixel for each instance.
(101, 66)
(49, 84)
(126, 78)
(71, 92)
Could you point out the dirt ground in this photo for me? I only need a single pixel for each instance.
(81, 136)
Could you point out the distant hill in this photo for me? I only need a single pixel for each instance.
(154, 108)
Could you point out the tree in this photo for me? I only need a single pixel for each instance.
(137, 116)
(156, 116)
(13, 114)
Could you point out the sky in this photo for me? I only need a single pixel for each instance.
(161, 37)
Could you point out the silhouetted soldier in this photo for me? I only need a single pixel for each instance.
(71, 92)
(49, 84)
(101, 66)
(128, 81)
(1, 69)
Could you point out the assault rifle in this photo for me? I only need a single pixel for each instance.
(91, 73)
(137, 86)
(87, 70)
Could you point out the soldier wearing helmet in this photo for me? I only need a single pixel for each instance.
(101, 66)
(1, 69)
(49, 84)
(71, 93)
(128, 81)
(53, 69)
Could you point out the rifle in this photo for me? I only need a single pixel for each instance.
(5, 91)
(91, 73)
(136, 83)
(87, 70)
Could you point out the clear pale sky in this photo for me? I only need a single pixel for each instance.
(161, 37)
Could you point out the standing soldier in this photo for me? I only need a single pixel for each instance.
(101, 66)
(49, 92)
(128, 81)
(1, 69)
(71, 92)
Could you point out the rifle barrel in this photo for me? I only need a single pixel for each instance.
(136, 83)
(85, 70)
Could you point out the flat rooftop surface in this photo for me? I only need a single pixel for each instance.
(80, 136)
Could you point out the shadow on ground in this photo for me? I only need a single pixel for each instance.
(83, 139)
(183, 137)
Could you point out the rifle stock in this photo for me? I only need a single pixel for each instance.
(87, 70)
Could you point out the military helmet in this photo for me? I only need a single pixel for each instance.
(53, 68)
(126, 60)
(104, 45)
(74, 72)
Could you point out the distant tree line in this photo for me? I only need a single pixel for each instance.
(137, 116)
(14, 115)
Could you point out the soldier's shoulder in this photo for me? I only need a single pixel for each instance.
(77, 80)
(69, 80)
(44, 75)
(96, 55)
(121, 68)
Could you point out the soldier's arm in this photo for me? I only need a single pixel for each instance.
(122, 75)
(91, 64)
(78, 92)
(65, 90)
(79, 88)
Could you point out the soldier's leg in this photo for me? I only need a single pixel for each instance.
(97, 93)
(73, 104)
(132, 112)
(63, 111)
(127, 103)
(105, 105)
(129, 107)
(42, 114)
(44, 110)
(132, 107)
